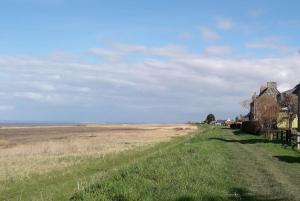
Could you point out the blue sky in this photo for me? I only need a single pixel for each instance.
(142, 61)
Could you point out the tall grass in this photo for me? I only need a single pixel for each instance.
(51, 149)
(60, 184)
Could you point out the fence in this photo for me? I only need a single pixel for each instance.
(285, 137)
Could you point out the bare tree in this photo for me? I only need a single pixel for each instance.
(267, 112)
(246, 103)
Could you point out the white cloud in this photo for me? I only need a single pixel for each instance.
(224, 23)
(83, 89)
(45, 86)
(273, 43)
(32, 96)
(157, 76)
(208, 34)
(218, 50)
(106, 54)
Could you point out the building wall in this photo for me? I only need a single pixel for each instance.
(283, 121)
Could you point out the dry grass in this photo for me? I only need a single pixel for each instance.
(35, 150)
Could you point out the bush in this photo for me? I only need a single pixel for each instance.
(236, 125)
(252, 127)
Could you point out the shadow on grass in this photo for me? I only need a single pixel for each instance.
(204, 198)
(235, 194)
(185, 198)
(243, 194)
(248, 141)
(239, 132)
(288, 159)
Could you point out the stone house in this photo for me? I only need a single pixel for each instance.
(266, 90)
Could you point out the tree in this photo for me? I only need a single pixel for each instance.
(246, 103)
(267, 112)
(210, 118)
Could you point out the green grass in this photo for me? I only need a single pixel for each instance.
(213, 165)
(60, 185)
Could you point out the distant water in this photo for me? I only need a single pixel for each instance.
(34, 123)
(30, 124)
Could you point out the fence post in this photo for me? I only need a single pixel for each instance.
(281, 137)
(277, 135)
(271, 135)
(298, 140)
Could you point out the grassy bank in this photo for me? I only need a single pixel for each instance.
(214, 165)
(61, 184)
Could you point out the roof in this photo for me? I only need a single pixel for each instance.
(269, 91)
(247, 115)
(295, 89)
(288, 91)
(281, 95)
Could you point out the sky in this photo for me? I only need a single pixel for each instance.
(142, 61)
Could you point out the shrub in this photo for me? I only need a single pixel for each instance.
(236, 125)
(252, 127)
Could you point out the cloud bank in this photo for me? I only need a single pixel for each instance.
(137, 83)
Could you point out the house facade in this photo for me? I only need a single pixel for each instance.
(266, 90)
(287, 100)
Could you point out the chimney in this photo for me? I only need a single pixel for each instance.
(272, 85)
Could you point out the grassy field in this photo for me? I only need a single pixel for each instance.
(51, 162)
(212, 164)
(27, 151)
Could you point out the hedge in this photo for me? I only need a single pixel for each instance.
(252, 127)
(236, 125)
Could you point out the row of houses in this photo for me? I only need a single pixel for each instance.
(287, 101)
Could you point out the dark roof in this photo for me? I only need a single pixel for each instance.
(295, 89)
(262, 92)
(247, 115)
